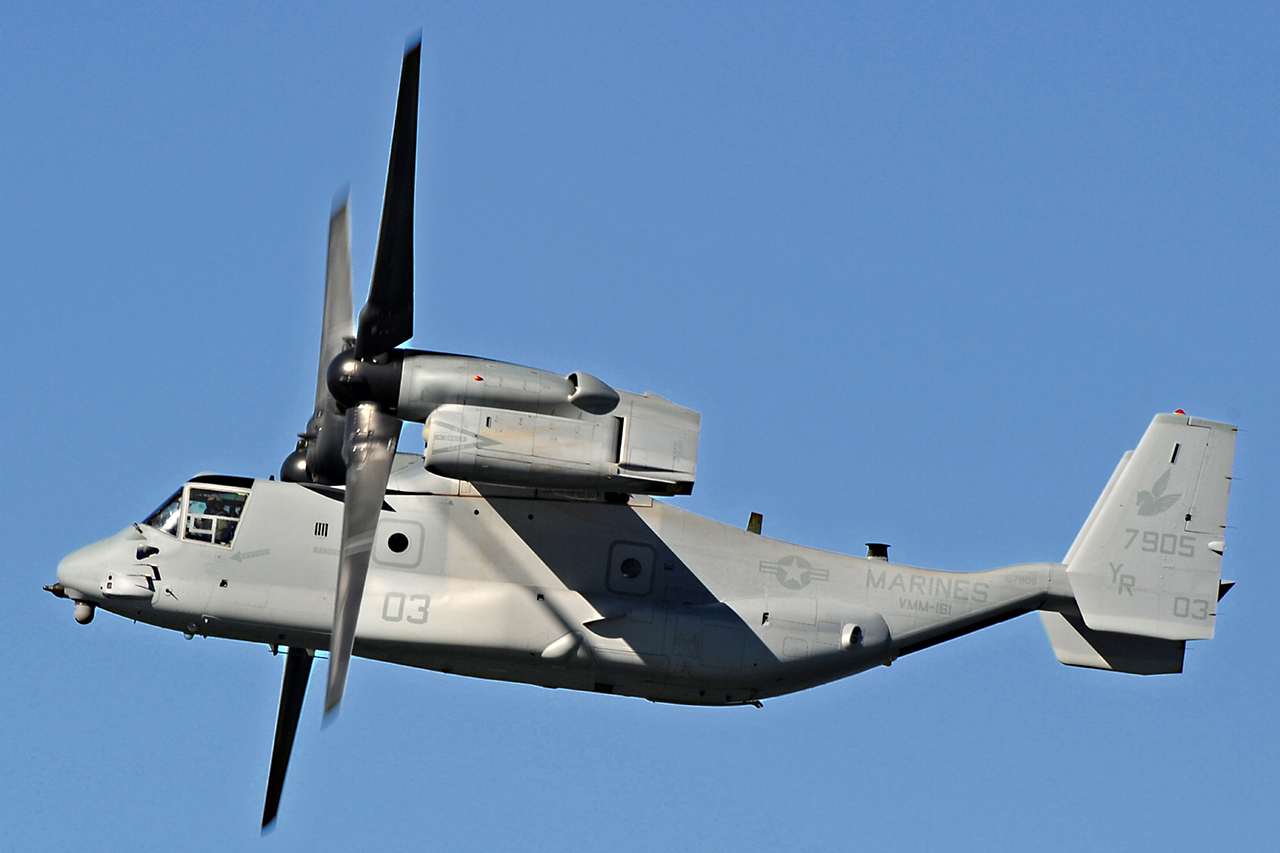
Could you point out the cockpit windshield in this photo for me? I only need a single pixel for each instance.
(166, 517)
(212, 515)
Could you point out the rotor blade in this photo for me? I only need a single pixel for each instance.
(386, 321)
(297, 668)
(371, 448)
(324, 448)
(337, 324)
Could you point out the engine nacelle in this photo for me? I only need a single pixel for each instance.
(647, 445)
(505, 424)
(428, 380)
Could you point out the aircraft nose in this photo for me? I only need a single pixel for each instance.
(81, 571)
(76, 570)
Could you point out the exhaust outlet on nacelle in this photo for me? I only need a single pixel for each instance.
(592, 395)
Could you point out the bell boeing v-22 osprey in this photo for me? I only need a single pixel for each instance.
(525, 543)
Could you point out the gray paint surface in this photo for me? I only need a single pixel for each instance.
(640, 599)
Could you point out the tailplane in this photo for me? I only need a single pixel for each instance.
(1145, 568)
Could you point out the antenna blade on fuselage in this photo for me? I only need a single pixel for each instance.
(386, 321)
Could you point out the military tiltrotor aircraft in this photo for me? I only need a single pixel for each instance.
(526, 544)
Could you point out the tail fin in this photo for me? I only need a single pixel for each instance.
(1145, 568)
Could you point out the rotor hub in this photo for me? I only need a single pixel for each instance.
(352, 381)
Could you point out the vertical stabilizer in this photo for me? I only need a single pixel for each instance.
(1076, 645)
(1149, 558)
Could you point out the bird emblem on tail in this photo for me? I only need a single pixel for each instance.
(1156, 501)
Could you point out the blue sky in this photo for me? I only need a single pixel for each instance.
(926, 271)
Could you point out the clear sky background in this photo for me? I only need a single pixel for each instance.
(926, 271)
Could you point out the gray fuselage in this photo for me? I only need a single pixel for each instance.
(640, 599)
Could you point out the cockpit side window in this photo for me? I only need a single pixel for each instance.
(165, 519)
(212, 515)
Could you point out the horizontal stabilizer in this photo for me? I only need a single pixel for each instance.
(1077, 645)
(1148, 559)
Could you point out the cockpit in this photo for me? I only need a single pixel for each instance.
(207, 509)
